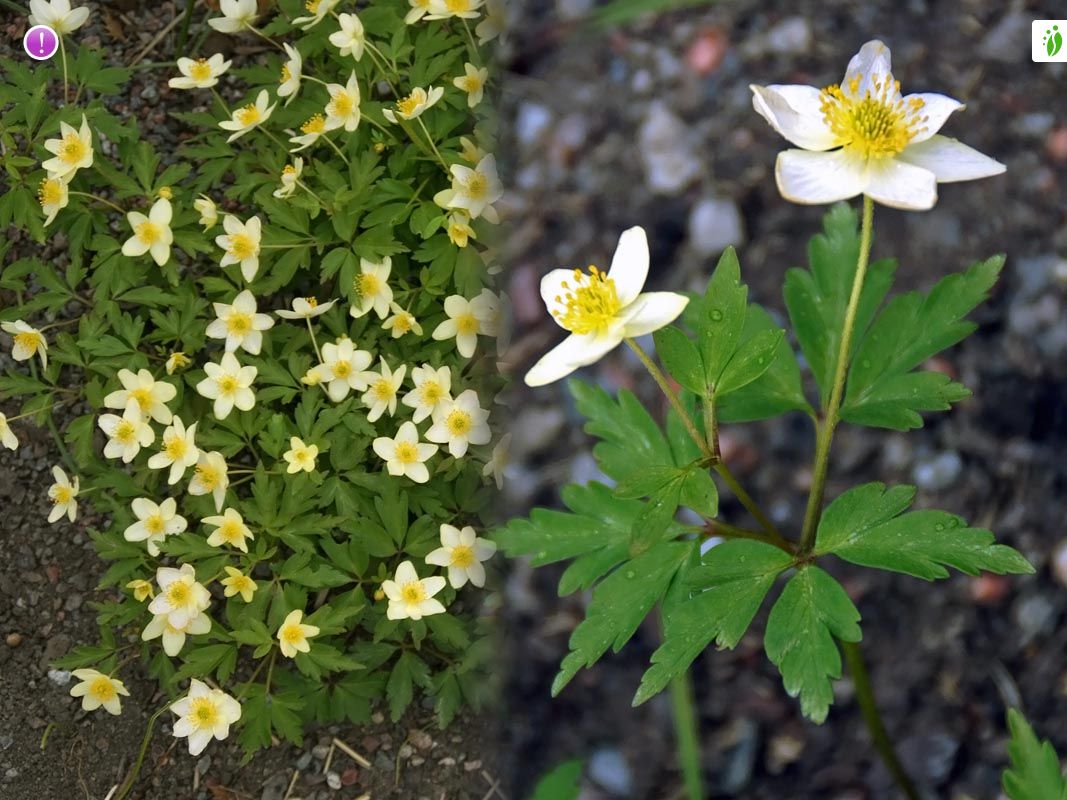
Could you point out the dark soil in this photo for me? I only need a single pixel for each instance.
(946, 658)
(49, 748)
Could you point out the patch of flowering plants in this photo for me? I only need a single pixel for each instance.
(267, 360)
(726, 361)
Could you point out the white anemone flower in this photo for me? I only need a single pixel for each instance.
(472, 81)
(236, 16)
(414, 104)
(372, 288)
(7, 436)
(405, 454)
(446, 9)
(463, 552)
(204, 714)
(343, 368)
(126, 434)
(27, 341)
(461, 423)
(240, 324)
(64, 496)
(155, 522)
(99, 690)
(174, 636)
(306, 308)
(601, 310)
(864, 137)
(179, 450)
(143, 389)
(382, 390)
(248, 116)
(292, 72)
(474, 190)
(310, 132)
(350, 40)
(54, 195)
(151, 234)
(229, 385)
(411, 597)
(433, 391)
(199, 73)
(241, 243)
(57, 15)
(181, 597)
(290, 178)
(72, 151)
(318, 9)
(343, 109)
(211, 476)
(209, 212)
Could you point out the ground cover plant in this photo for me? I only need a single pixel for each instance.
(728, 362)
(267, 361)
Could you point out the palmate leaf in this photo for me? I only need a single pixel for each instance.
(730, 587)
(564, 782)
(620, 602)
(882, 391)
(866, 526)
(817, 297)
(811, 612)
(1034, 772)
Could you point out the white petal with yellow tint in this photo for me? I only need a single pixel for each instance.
(893, 183)
(809, 177)
(796, 113)
(629, 265)
(573, 352)
(936, 109)
(951, 160)
(652, 311)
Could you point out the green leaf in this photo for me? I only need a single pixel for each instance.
(730, 588)
(752, 358)
(408, 671)
(817, 299)
(630, 438)
(681, 358)
(866, 526)
(564, 782)
(882, 391)
(620, 602)
(811, 611)
(719, 317)
(1034, 772)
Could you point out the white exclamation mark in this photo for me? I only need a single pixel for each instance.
(40, 41)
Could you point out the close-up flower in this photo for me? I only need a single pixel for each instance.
(142, 589)
(465, 322)
(300, 456)
(176, 362)
(460, 423)
(28, 341)
(181, 597)
(349, 40)
(418, 10)
(155, 522)
(58, 15)
(292, 72)
(248, 116)
(474, 190)
(239, 324)
(293, 634)
(7, 436)
(863, 136)
(404, 454)
(209, 212)
(98, 690)
(54, 196)
(290, 178)
(306, 308)
(229, 384)
(310, 131)
(401, 322)
(230, 529)
(173, 636)
(412, 597)
(241, 245)
(460, 231)
(382, 391)
(151, 234)
(462, 9)
(199, 73)
(343, 110)
(143, 390)
(211, 476)
(238, 583)
(472, 81)
(432, 392)
(237, 15)
(498, 461)
(344, 366)
(126, 434)
(178, 450)
(204, 714)
(600, 310)
(412, 106)
(371, 287)
(462, 551)
(64, 496)
(317, 12)
(72, 151)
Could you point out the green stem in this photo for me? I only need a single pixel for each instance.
(687, 734)
(882, 743)
(63, 56)
(99, 199)
(831, 417)
(128, 783)
(716, 527)
(746, 500)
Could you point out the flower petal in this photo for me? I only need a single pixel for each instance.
(900, 185)
(936, 109)
(553, 291)
(805, 177)
(950, 160)
(652, 311)
(796, 113)
(629, 265)
(573, 352)
(871, 63)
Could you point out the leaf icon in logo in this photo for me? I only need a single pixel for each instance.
(1053, 41)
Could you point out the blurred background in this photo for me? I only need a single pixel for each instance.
(647, 120)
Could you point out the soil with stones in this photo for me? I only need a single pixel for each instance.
(651, 123)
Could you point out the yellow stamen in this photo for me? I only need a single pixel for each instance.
(878, 124)
(592, 304)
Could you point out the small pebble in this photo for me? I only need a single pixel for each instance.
(13, 639)
(333, 780)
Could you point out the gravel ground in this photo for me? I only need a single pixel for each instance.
(652, 124)
(49, 748)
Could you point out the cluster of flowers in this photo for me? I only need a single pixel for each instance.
(178, 601)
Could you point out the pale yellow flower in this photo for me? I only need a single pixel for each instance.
(372, 288)
(293, 634)
(300, 456)
(461, 423)
(181, 597)
(126, 434)
(241, 243)
(292, 72)
(209, 212)
(411, 597)
(382, 389)
(7, 436)
(204, 714)
(238, 583)
(58, 15)
(54, 197)
(229, 385)
(414, 104)
(150, 396)
(240, 324)
(463, 553)
(310, 132)
(28, 341)
(343, 109)
(349, 40)
(154, 523)
(72, 151)
(317, 9)
(64, 496)
(405, 455)
(290, 178)
(432, 391)
(249, 116)
(472, 82)
(230, 528)
(306, 308)
(98, 690)
(446, 9)
(211, 477)
(200, 73)
(236, 16)
(142, 589)
(343, 367)
(179, 450)
(401, 322)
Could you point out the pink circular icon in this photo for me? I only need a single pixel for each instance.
(40, 42)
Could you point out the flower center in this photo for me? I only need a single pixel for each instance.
(471, 83)
(368, 284)
(407, 452)
(102, 689)
(409, 104)
(457, 6)
(458, 422)
(317, 124)
(342, 369)
(242, 246)
(50, 193)
(148, 232)
(178, 594)
(126, 432)
(143, 396)
(413, 592)
(247, 116)
(200, 70)
(203, 713)
(403, 322)
(61, 495)
(342, 104)
(383, 390)
(239, 324)
(228, 384)
(292, 634)
(155, 524)
(231, 532)
(462, 556)
(467, 323)
(475, 186)
(591, 304)
(286, 73)
(30, 340)
(209, 476)
(311, 301)
(290, 171)
(431, 393)
(876, 125)
(73, 149)
(312, 6)
(175, 447)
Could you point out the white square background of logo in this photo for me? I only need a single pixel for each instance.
(1040, 31)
